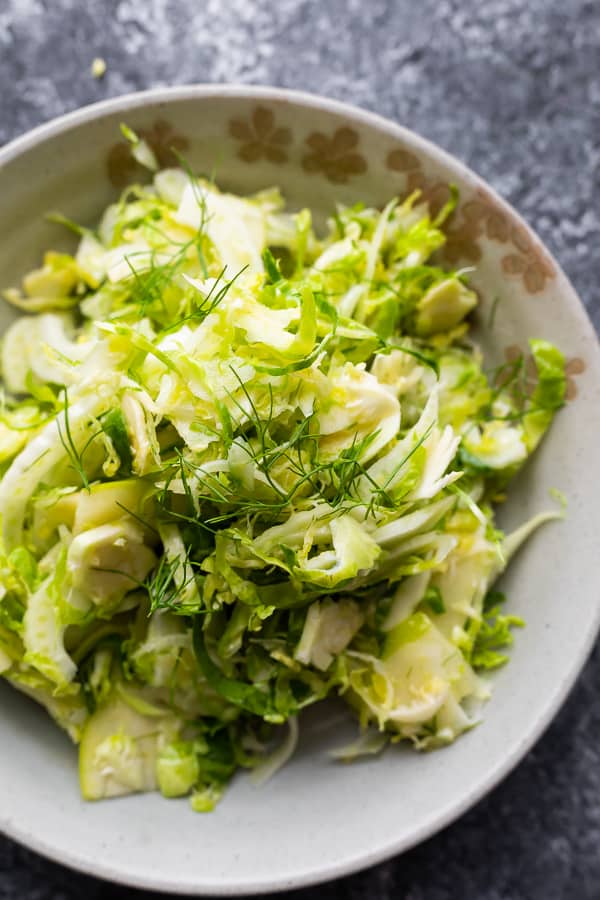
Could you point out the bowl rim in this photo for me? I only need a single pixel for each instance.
(444, 817)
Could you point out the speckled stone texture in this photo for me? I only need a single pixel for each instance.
(513, 89)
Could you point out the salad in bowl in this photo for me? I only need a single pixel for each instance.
(247, 465)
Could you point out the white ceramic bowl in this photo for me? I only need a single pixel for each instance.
(318, 819)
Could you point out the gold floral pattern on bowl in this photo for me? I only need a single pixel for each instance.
(164, 142)
(260, 137)
(573, 367)
(434, 193)
(477, 218)
(528, 261)
(336, 157)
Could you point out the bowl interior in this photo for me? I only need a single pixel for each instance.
(316, 819)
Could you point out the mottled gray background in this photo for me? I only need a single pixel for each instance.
(513, 89)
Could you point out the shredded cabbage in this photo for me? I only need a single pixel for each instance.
(245, 467)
